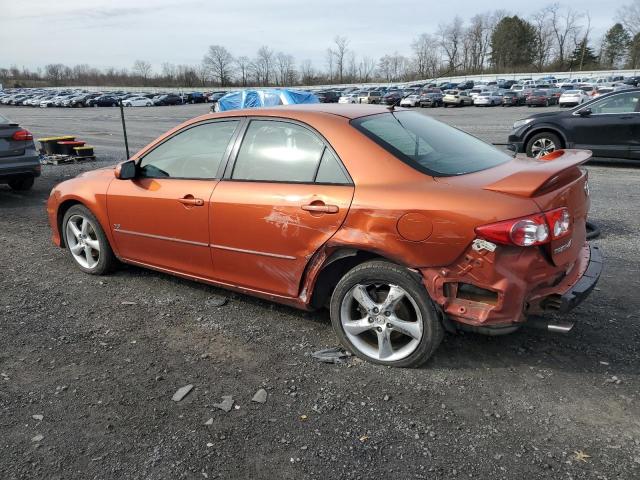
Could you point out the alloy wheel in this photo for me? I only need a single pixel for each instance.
(382, 321)
(83, 241)
(542, 146)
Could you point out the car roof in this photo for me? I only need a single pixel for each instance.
(349, 111)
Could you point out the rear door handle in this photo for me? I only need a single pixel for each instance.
(191, 201)
(320, 208)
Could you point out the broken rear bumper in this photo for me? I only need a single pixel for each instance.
(587, 282)
(495, 291)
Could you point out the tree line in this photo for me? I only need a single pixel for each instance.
(555, 38)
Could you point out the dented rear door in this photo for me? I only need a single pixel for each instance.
(282, 198)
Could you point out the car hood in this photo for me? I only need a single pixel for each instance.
(98, 173)
(544, 114)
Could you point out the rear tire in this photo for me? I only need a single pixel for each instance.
(21, 184)
(401, 331)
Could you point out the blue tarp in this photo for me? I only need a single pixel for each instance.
(263, 98)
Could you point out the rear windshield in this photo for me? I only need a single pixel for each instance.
(428, 145)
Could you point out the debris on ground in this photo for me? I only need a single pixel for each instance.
(181, 393)
(331, 355)
(37, 417)
(260, 396)
(217, 301)
(226, 404)
(37, 438)
(581, 456)
(209, 422)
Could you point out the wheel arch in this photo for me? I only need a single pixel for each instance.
(548, 129)
(326, 269)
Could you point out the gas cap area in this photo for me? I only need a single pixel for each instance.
(414, 226)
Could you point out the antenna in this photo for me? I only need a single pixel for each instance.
(124, 128)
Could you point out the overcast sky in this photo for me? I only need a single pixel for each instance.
(107, 33)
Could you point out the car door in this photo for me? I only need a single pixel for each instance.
(161, 217)
(609, 129)
(634, 144)
(285, 194)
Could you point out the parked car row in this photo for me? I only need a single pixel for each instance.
(81, 98)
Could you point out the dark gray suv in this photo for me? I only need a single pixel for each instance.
(19, 162)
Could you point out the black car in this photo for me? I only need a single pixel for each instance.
(431, 100)
(466, 85)
(328, 96)
(103, 101)
(393, 97)
(633, 81)
(168, 99)
(609, 126)
(19, 161)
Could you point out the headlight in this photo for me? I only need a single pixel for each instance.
(522, 123)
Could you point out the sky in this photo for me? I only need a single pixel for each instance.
(115, 33)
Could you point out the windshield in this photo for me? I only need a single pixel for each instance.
(428, 145)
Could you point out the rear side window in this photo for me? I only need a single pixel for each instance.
(278, 152)
(330, 170)
(192, 153)
(429, 146)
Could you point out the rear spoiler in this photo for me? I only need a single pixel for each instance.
(534, 173)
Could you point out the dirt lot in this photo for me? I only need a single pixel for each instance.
(99, 358)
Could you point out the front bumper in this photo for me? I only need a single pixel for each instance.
(500, 289)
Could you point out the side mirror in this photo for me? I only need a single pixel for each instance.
(125, 170)
(585, 112)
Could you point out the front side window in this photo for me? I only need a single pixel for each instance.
(428, 145)
(193, 153)
(279, 152)
(623, 103)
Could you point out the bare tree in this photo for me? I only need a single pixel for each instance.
(393, 67)
(54, 73)
(629, 16)
(340, 53)
(202, 71)
(425, 56)
(285, 69)
(307, 72)
(330, 62)
(544, 34)
(262, 66)
(220, 63)
(243, 63)
(143, 69)
(366, 68)
(450, 38)
(563, 25)
(582, 41)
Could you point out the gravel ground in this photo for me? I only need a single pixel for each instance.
(89, 365)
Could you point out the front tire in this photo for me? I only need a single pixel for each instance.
(86, 241)
(542, 144)
(382, 314)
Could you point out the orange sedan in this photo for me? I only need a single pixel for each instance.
(403, 226)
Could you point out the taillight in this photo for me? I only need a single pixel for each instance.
(559, 222)
(22, 135)
(529, 231)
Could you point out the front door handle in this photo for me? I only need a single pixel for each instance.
(191, 201)
(320, 208)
